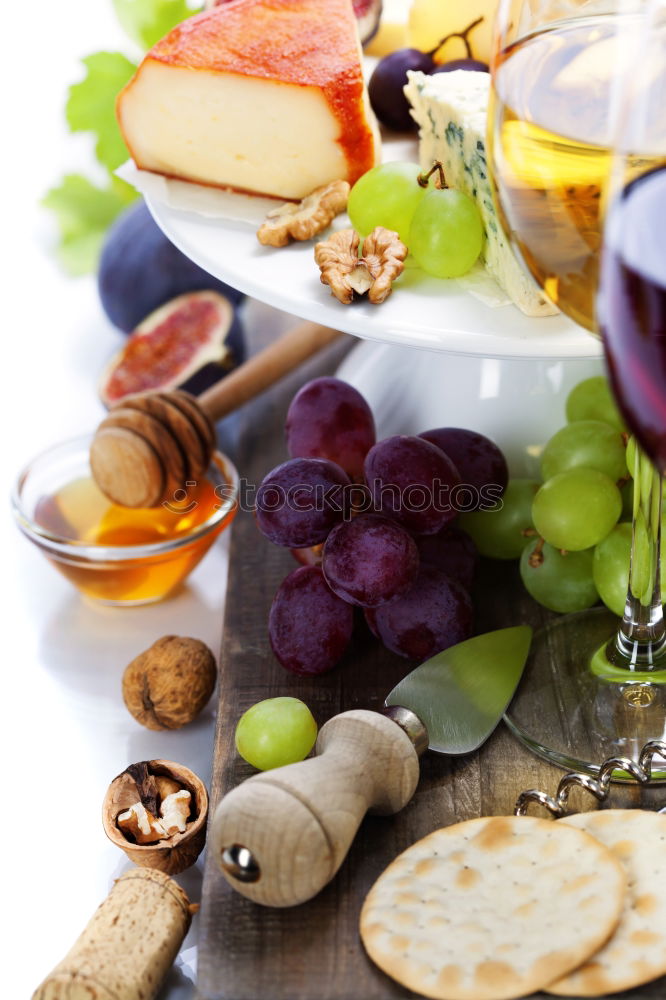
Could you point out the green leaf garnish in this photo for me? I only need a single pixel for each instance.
(91, 106)
(84, 212)
(146, 21)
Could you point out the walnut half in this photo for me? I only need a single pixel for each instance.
(156, 812)
(305, 219)
(374, 271)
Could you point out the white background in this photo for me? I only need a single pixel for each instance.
(65, 731)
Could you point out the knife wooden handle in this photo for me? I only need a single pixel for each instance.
(281, 836)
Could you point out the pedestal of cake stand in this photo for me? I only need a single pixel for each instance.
(519, 404)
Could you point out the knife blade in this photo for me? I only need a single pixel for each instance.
(477, 678)
(280, 836)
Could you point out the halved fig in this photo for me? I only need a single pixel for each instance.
(368, 14)
(189, 343)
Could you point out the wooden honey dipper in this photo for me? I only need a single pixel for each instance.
(152, 443)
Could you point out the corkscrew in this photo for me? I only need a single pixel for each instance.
(599, 786)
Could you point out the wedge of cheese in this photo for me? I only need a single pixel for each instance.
(451, 110)
(264, 96)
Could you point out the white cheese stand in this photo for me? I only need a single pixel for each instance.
(434, 354)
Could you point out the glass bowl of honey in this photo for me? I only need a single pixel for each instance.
(113, 554)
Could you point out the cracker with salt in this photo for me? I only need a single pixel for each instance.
(636, 953)
(492, 908)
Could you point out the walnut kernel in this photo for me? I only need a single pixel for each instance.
(303, 220)
(156, 812)
(145, 829)
(381, 261)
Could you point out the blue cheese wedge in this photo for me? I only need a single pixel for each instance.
(451, 111)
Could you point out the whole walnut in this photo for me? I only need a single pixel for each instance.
(167, 686)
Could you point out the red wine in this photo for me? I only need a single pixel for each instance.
(632, 308)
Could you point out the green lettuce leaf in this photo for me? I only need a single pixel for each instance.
(91, 106)
(146, 21)
(84, 212)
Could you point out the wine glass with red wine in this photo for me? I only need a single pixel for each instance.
(577, 134)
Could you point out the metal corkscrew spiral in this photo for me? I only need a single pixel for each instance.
(599, 787)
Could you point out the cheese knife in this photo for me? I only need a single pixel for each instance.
(281, 836)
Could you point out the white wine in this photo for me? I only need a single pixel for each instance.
(551, 107)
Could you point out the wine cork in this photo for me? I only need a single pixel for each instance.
(129, 944)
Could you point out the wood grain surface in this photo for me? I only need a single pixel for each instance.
(313, 951)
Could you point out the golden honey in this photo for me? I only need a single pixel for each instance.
(130, 556)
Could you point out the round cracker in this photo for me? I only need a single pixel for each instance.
(492, 908)
(636, 953)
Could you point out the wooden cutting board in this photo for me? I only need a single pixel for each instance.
(313, 951)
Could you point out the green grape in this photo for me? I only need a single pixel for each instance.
(386, 195)
(446, 234)
(576, 509)
(591, 443)
(611, 568)
(591, 399)
(499, 532)
(627, 492)
(275, 732)
(559, 581)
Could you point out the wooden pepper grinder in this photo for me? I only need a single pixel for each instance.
(151, 444)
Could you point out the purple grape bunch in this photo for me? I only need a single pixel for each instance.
(372, 525)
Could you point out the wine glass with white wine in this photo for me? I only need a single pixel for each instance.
(578, 148)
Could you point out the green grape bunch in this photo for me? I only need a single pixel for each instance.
(441, 227)
(571, 531)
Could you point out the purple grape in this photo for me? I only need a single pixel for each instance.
(411, 481)
(309, 627)
(386, 87)
(299, 502)
(370, 560)
(329, 418)
(452, 551)
(434, 614)
(473, 64)
(481, 465)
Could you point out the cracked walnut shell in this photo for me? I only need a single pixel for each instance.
(171, 854)
(303, 220)
(166, 686)
(379, 264)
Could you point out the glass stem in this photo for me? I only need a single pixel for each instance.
(642, 633)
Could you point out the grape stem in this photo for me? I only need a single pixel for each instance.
(536, 557)
(424, 177)
(462, 35)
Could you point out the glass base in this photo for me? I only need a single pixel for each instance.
(575, 708)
